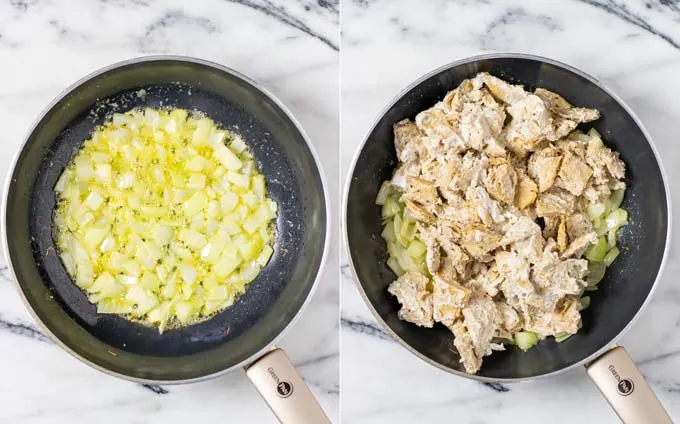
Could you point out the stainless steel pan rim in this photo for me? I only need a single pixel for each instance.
(588, 77)
(267, 93)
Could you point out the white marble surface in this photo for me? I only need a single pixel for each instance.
(635, 49)
(292, 49)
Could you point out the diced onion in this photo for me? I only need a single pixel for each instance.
(616, 219)
(610, 256)
(163, 217)
(597, 251)
(596, 210)
(595, 273)
(406, 252)
(525, 340)
(382, 193)
(560, 337)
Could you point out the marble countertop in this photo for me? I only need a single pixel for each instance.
(289, 47)
(634, 47)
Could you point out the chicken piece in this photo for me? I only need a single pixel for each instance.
(555, 202)
(524, 237)
(520, 229)
(494, 113)
(437, 125)
(431, 170)
(502, 90)
(420, 191)
(530, 123)
(453, 263)
(481, 318)
(450, 163)
(479, 242)
(511, 322)
(486, 281)
(419, 213)
(471, 172)
(456, 255)
(565, 117)
(454, 100)
(562, 234)
(530, 248)
(463, 343)
(456, 210)
(579, 245)
(604, 162)
(446, 237)
(550, 226)
(487, 209)
(433, 252)
(473, 336)
(558, 278)
(447, 269)
(440, 170)
(407, 140)
(516, 285)
(574, 173)
(598, 193)
(550, 323)
(433, 257)
(578, 225)
(495, 147)
(481, 121)
(526, 191)
(448, 298)
(574, 146)
(501, 182)
(543, 167)
(416, 301)
(408, 169)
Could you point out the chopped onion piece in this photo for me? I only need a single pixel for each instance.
(525, 340)
(163, 217)
(610, 256)
(382, 193)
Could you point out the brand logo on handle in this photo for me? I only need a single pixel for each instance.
(283, 388)
(624, 386)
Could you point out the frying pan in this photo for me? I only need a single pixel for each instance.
(240, 336)
(627, 286)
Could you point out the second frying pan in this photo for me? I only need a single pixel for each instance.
(628, 283)
(240, 335)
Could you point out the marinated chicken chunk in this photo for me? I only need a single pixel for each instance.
(574, 173)
(474, 334)
(420, 191)
(416, 300)
(499, 182)
(526, 192)
(543, 167)
(565, 117)
(605, 163)
(449, 298)
(407, 139)
(578, 225)
(555, 202)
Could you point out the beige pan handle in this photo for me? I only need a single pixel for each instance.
(283, 389)
(626, 390)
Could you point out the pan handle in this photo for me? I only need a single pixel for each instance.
(283, 389)
(626, 390)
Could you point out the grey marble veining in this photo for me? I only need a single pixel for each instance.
(632, 46)
(290, 47)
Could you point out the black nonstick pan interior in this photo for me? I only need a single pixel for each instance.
(271, 301)
(628, 281)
